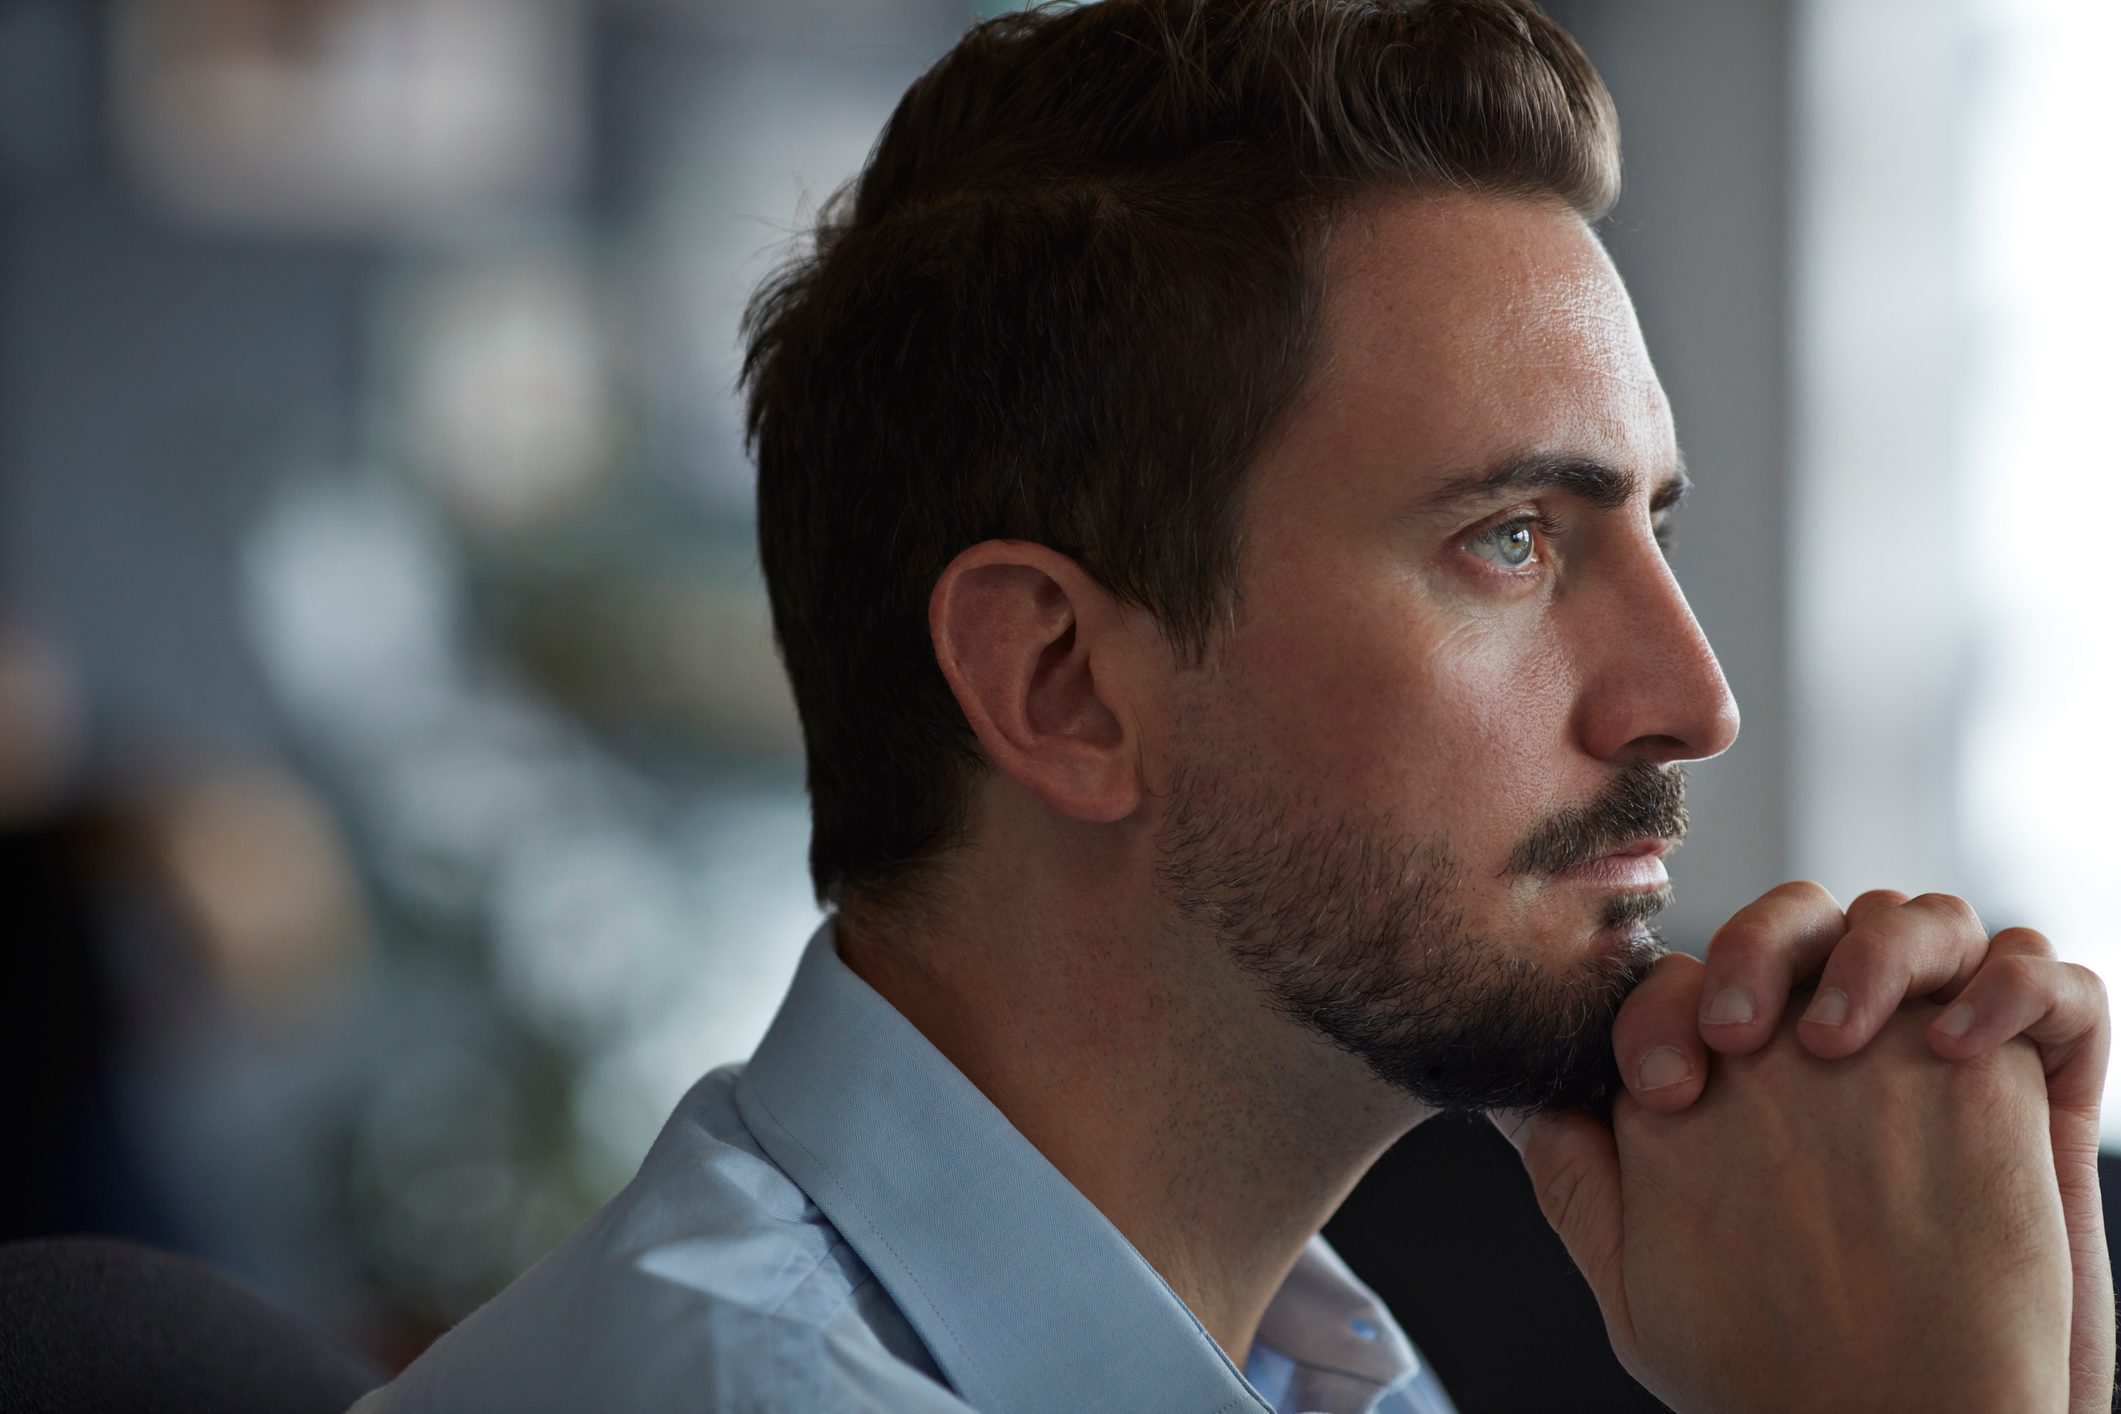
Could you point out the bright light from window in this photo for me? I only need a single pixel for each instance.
(2042, 771)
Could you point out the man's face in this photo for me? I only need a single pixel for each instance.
(1430, 707)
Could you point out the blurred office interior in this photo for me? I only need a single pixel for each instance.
(400, 800)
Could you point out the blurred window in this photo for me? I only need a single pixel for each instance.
(2042, 766)
(1956, 669)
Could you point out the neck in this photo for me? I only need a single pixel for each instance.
(1217, 1137)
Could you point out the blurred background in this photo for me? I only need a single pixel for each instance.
(400, 800)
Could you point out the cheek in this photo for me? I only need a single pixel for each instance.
(1510, 692)
(1418, 708)
(1492, 701)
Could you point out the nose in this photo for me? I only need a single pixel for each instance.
(1652, 689)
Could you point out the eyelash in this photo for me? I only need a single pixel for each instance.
(1552, 529)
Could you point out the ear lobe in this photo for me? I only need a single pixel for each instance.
(1031, 646)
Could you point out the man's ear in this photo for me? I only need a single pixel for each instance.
(1037, 653)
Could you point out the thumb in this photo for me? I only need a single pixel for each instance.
(1575, 1173)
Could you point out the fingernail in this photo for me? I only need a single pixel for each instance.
(1664, 1066)
(1957, 1019)
(1829, 1008)
(1731, 1006)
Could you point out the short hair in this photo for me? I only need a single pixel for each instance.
(1066, 301)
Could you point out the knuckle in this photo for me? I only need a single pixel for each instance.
(1804, 891)
(1741, 943)
(1862, 953)
(2094, 985)
(1950, 907)
(1890, 897)
(2024, 940)
(2020, 973)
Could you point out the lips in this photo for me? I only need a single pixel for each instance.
(1638, 865)
(1644, 848)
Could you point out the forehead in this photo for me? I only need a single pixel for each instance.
(1460, 329)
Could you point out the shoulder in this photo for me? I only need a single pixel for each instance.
(711, 1282)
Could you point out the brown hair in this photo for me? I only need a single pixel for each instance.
(1066, 301)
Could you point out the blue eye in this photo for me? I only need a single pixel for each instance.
(1513, 540)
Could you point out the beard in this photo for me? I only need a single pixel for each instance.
(1358, 930)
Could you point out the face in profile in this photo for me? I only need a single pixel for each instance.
(1460, 667)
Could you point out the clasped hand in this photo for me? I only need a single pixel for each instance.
(1890, 1200)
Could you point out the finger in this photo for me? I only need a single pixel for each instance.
(2022, 990)
(1871, 900)
(2021, 941)
(1575, 1172)
(1931, 944)
(1657, 1040)
(2062, 1009)
(1755, 959)
(2059, 1006)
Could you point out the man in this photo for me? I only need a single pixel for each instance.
(1210, 492)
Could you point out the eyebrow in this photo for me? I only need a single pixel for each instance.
(1605, 488)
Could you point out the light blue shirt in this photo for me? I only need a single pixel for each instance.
(846, 1223)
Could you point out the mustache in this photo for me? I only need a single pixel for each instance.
(1645, 799)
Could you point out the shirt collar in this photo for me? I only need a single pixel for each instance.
(1333, 1326)
(1013, 1279)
